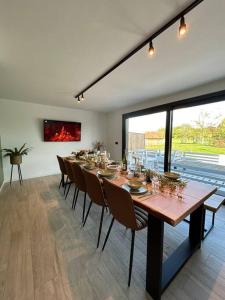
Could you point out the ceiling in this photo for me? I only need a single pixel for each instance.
(51, 49)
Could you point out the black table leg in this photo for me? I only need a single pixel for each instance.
(196, 227)
(159, 274)
(154, 257)
(203, 223)
(11, 174)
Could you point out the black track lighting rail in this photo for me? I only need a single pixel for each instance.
(142, 44)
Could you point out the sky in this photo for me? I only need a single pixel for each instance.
(181, 116)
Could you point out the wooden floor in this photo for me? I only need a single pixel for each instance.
(46, 255)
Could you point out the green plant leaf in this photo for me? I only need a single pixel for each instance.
(15, 151)
(8, 150)
(22, 147)
(25, 151)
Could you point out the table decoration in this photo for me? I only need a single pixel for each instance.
(98, 145)
(168, 182)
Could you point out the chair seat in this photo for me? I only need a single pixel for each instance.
(141, 217)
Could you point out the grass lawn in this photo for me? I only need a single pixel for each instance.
(191, 148)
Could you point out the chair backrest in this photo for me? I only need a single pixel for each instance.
(68, 167)
(78, 177)
(94, 188)
(120, 204)
(61, 165)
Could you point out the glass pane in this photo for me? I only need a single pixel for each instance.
(198, 144)
(146, 140)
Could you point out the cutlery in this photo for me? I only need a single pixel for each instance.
(146, 194)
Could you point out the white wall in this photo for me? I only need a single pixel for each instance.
(22, 122)
(114, 119)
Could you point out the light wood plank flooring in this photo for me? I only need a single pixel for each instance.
(46, 255)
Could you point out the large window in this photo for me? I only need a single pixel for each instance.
(198, 143)
(146, 140)
(183, 137)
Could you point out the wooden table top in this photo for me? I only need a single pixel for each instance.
(170, 208)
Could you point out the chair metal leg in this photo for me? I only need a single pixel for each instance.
(65, 184)
(11, 174)
(76, 199)
(131, 256)
(85, 219)
(84, 205)
(61, 181)
(60, 184)
(100, 225)
(68, 189)
(107, 236)
(74, 196)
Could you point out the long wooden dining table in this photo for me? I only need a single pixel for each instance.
(167, 207)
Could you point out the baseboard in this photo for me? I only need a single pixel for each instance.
(1, 187)
(32, 177)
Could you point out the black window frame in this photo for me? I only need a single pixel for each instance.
(169, 108)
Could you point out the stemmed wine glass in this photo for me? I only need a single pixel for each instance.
(155, 184)
(179, 190)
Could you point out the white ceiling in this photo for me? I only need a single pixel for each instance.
(51, 49)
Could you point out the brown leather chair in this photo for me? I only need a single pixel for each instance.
(125, 212)
(78, 179)
(63, 171)
(70, 179)
(96, 194)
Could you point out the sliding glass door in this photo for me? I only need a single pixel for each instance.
(146, 140)
(183, 137)
(198, 143)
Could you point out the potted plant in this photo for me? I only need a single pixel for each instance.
(15, 154)
(98, 145)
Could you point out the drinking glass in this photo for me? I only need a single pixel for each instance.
(155, 184)
(155, 166)
(179, 192)
(130, 174)
(108, 156)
